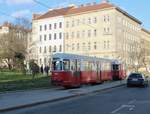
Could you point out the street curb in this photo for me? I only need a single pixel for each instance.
(57, 99)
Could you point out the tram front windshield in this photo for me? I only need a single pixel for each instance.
(57, 65)
(61, 64)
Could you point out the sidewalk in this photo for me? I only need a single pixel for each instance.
(10, 101)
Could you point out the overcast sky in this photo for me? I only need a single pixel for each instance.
(14, 8)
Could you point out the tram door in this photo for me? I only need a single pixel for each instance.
(76, 72)
(115, 71)
(98, 71)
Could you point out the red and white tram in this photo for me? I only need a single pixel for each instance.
(70, 70)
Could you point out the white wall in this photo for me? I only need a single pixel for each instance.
(37, 33)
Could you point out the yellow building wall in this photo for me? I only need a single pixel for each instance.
(105, 39)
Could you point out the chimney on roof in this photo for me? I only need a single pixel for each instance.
(94, 3)
(50, 9)
(88, 4)
(82, 5)
(72, 5)
(105, 1)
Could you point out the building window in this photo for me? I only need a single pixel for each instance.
(60, 24)
(104, 18)
(89, 33)
(78, 46)
(60, 35)
(73, 46)
(83, 46)
(45, 61)
(104, 30)
(67, 24)
(60, 48)
(108, 30)
(104, 44)
(89, 20)
(83, 21)
(83, 33)
(95, 45)
(55, 25)
(72, 35)
(40, 61)
(108, 44)
(67, 47)
(78, 22)
(72, 23)
(50, 26)
(55, 36)
(40, 50)
(40, 27)
(40, 38)
(78, 34)
(55, 48)
(50, 48)
(95, 32)
(45, 37)
(45, 27)
(50, 36)
(45, 49)
(67, 35)
(89, 46)
(95, 20)
(108, 18)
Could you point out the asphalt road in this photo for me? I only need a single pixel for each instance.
(120, 100)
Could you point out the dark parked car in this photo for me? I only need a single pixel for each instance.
(137, 79)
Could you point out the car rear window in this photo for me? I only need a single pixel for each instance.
(135, 75)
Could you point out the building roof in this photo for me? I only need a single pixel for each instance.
(36, 16)
(54, 13)
(89, 8)
(145, 30)
(83, 8)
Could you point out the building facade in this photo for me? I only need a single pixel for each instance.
(48, 33)
(100, 30)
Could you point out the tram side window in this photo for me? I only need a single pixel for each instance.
(105, 66)
(94, 66)
(57, 65)
(87, 65)
(78, 65)
(73, 65)
(66, 65)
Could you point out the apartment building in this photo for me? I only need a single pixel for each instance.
(101, 30)
(95, 29)
(47, 30)
(5, 28)
(145, 43)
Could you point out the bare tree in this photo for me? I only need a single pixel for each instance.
(13, 44)
(139, 58)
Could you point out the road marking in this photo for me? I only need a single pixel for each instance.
(131, 102)
(131, 107)
(116, 110)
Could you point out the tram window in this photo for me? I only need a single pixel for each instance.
(73, 65)
(94, 67)
(66, 65)
(78, 65)
(115, 67)
(57, 65)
